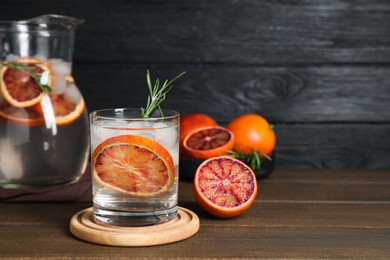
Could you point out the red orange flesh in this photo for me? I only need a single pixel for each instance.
(224, 187)
(133, 165)
(208, 142)
(192, 122)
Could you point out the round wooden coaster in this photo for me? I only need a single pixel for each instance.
(84, 226)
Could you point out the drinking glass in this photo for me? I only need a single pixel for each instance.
(134, 164)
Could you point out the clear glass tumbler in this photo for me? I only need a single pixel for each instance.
(134, 166)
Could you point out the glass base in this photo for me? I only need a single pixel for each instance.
(131, 219)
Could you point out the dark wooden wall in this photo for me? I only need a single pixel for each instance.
(318, 70)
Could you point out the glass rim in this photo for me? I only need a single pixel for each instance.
(97, 113)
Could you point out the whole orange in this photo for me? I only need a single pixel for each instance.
(253, 133)
(192, 122)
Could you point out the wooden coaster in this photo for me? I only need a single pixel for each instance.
(84, 226)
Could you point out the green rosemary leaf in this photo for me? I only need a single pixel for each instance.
(251, 159)
(15, 66)
(37, 78)
(156, 94)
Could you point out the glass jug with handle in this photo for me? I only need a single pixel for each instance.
(43, 119)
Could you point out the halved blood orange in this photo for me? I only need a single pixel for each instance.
(21, 116)
(18, 86)
(66, 111)
(224, 187)
(208, 142)
(191, 122)
(133, 165)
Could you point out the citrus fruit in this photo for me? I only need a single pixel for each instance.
(224, 187)
(21, 116)
(66, 111)
(191, 122)
(253, 133)
(133, 165)
(208, 142)
(17, 84)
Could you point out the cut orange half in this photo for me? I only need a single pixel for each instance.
(18, 86)
(224, 187)
(66, 111)
(133, 165)
(208, 142)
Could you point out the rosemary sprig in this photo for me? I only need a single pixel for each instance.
(156, 94)
(251, 159)
(36, 76)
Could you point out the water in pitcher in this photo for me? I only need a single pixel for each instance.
(44, 142)
(44, 133)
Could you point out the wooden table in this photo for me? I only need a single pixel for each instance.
(298, 214)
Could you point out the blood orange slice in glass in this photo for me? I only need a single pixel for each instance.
(133, 165)
(208, 142)
(18, 81)
(224, 187)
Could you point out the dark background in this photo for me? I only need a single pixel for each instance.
(318, 70)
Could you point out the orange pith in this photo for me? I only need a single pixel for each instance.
(133, 165)
(18, 86)
(224, 187)
(208, 142)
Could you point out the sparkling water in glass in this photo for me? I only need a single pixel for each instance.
(121, 199)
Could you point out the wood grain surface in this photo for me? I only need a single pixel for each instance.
(193, 31)
(298, 214)
(317, 70)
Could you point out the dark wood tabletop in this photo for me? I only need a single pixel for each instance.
(297, 214)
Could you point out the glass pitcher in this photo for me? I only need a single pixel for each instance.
(43, 119)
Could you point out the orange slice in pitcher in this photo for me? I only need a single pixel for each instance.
(17, 84)
(66, 111)
(21, 116)
(133, 165)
